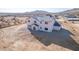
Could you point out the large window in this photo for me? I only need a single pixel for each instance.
(46, 28)
(34, 28)
(28, 20)
(46, 22)
(34, 21)
(40, 27)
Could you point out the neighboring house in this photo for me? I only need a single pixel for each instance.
(43, 23)
(72, 18)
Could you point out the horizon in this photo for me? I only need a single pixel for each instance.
(22, 10)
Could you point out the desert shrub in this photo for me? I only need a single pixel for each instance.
(3, 24)
(6, 21)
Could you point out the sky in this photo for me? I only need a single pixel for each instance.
(20, 10)
(32, 5)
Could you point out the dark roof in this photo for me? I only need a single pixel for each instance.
(71, 16)
(36, 24)
(36, 18)
(56, 24)
(49, 15)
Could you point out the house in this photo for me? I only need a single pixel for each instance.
(56, 26)
(45, 23)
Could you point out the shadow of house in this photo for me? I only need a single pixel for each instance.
(61, 38)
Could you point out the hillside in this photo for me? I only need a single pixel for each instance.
(37, 12)
(74, 11)
(20, 38)
(14, 35)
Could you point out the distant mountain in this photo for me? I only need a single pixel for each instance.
(70, 12)
(41, 12)
(37, 12)
(10, 14)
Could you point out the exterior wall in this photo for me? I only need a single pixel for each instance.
(33, 26)
(56, 27)
(31, 21)
(49, 26)
(40, 21)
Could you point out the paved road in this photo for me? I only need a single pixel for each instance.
(62, 38)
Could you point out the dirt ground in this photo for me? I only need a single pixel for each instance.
(19, 38)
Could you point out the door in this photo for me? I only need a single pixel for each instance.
(34, 28)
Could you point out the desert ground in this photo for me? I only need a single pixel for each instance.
(19, 38)
(15, 36)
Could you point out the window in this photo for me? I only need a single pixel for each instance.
(41, 22)
(46, 22)
(28, 20)
(40, 27)
(34, 21)
(46, 28)
(34, 28)
(49, 15)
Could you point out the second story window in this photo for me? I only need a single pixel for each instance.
(34, 21)
(41, 22)
(28, 20)
(40, 27)
(46, 22)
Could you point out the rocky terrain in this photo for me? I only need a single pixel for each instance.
(19, 38)
(7, 21)
(71, 12)
(14, 35)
